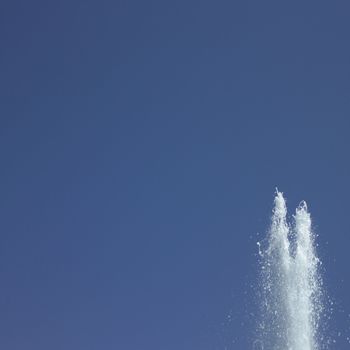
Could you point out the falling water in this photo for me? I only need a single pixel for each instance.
(290, 282)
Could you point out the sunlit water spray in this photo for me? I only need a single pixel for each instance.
(290, 282)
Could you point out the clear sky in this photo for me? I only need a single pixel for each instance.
(140, 146)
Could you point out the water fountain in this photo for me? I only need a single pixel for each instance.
(290, 282)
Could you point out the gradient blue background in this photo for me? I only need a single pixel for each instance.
(140, 145)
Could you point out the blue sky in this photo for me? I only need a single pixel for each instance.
(141, 143)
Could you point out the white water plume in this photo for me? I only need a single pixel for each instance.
(290, 282)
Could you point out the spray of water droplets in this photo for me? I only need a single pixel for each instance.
(291, 290)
